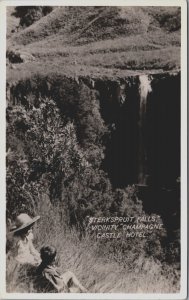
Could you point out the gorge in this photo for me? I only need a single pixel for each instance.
(142, 113)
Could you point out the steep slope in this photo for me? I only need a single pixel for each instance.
(82, 25)
(89, 39)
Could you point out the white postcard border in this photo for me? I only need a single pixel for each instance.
(183, 290)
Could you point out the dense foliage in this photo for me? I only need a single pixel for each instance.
(44, 156)
(30, 14)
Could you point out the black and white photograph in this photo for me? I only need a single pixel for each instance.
(94, 149)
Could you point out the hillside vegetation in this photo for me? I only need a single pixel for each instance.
(102, 38)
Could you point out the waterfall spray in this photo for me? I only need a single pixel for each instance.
(144, 90)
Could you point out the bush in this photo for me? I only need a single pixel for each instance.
(169, 19)
(39, 145)
(30, 14)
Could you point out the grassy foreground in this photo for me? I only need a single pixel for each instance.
(99, 268)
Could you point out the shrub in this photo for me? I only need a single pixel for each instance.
(39, 145)
(30, 14)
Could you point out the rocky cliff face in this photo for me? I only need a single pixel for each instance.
(144, 115)
(144, 148)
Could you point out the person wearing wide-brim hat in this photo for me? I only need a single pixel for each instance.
(24, 251)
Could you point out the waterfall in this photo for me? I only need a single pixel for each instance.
(144, 90)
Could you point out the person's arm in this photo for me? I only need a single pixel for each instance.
(33, 251)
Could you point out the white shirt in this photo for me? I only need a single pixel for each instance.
(25, 251)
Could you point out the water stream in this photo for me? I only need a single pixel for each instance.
(144, 90)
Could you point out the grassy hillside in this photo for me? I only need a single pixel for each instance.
(82, 25)
(98, 38)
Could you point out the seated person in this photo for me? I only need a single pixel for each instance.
(66, 282)
(23, 250)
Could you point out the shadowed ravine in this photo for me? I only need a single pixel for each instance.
(144, 148)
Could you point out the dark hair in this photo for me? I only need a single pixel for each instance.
(23, 231)
(48, 254)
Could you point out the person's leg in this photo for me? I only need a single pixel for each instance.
(70, 279)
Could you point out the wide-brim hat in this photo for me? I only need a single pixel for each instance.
(23, 221)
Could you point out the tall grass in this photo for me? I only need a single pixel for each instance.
(98, 269)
